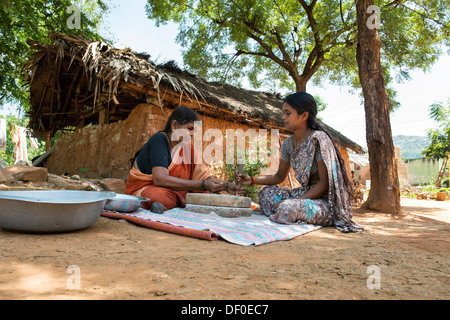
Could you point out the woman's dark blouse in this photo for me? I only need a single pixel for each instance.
(155, 153)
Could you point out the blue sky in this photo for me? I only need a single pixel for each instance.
(127, 25)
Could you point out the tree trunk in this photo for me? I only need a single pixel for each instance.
(384, 192)
(300, 84)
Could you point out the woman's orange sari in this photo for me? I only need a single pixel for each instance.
(186, 164)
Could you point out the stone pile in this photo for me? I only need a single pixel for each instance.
(23, 177)
(419, 193)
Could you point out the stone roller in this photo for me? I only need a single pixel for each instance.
(221, 204)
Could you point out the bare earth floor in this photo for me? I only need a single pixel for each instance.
(119, 260)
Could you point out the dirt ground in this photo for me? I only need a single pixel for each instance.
(115, 259)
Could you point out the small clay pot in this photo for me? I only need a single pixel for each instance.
(441, 196)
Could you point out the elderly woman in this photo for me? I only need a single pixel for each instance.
(166, 180)
(324, 198)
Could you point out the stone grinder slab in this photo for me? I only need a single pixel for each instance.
(221, 204)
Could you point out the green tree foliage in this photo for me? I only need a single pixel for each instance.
(440, 138)
(286, 43)
(35, 19)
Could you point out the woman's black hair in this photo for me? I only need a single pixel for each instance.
(182, 115)
(304, 102)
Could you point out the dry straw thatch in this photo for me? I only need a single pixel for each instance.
(75, 81)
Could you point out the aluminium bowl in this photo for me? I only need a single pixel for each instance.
(51, 211)
(125, 203)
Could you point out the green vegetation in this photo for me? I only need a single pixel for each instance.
(253, 166)
(439, 147)
(286, 43)
(431, 189)
(36, 19)
(21, 20)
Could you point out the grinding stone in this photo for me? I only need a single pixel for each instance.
(219, 200)
(226, 212)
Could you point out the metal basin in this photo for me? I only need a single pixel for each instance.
(125, 203)
(51, 211)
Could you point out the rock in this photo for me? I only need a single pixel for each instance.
(157, 208)
(3, 164)
(114, 185)
(19, 188)
(219, 200)
(28, 174)
(6, 176)
(227, 212)
(422, 195)
(75, 177)
(68, 184)
(93, 186)
(23, 163)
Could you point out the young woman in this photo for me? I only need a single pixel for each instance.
(166, 180)
(324, 198)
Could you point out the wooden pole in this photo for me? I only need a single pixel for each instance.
(48, 141)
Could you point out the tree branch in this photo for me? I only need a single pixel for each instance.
(265, 46)
(421, 14)
(316, 65)
(399, 2)
(282, 48)
(297, 51)
(311, 57)
(270, 53)
(342, 14)
(311, 20)
(393, 3)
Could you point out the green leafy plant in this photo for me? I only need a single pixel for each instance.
(439, 147)
(83, 172)
(253, 166)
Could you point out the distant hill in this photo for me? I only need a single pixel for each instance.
(411, 146)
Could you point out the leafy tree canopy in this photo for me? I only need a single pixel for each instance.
(440, 138)
(286, 43)
(35, 19)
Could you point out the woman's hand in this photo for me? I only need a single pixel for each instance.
(235, 189)
(214, 185)
(244, 179)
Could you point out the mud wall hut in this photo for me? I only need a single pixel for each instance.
(110, 101)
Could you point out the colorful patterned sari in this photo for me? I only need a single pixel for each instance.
(282, 205)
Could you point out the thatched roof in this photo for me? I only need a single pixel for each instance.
(74, 79)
